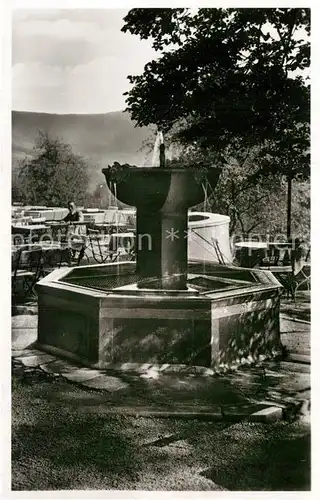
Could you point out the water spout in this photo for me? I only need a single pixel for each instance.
(206, 197)
(158, 158)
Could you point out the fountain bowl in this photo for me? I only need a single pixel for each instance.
(162, 196)
(159, 188)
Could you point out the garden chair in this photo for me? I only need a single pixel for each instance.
(15, 263)
(272, 257)
(100, 247)
(54, 257)
(78, 244)
(28, 272)
(75, 240)
(221, 258)
(300, 275)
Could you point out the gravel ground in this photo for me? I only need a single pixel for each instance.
(63, 439)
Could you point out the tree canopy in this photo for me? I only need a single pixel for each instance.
(227, 76)
(255, 204)
(55, 174)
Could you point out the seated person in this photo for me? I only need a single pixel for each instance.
(74, 214)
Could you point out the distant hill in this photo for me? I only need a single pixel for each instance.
(101, 138)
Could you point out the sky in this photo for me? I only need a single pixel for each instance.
(73, 61)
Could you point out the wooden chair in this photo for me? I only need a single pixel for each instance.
(54, 257)
(15, 263)
(28, 272)
(218, 252)
(272, 257)
(123, 245)
(300, 272)
(78, 244)
(72, 244)
(100, 247)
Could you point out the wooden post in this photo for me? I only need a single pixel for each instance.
(162, 156)
(289, 202)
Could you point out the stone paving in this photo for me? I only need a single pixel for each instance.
(261, 392)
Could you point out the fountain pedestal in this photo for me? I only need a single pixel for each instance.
(161, 249)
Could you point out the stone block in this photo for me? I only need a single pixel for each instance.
(293, 383)
(18, 309)
(300, 358)
(241, 411)
(21, 338)
(15, 353)
(105, 382)
(270, 414)
(58, 366)
(34, 361)
(23, 321)
(81, 375)
(295, 367)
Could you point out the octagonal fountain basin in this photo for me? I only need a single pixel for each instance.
(98, 316)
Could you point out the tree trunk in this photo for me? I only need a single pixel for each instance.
(289, 202)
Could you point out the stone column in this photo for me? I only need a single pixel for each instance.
(162, 249)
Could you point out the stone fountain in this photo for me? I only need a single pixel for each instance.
(161, 309)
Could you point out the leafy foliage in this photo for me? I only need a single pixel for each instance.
(260, 207)
(227, 76)
(102, 197)
(255, 204)
(54, 176)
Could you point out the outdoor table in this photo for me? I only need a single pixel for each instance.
(24, 245)
(28, 231)
(278, 251)
(26, 268)
(26, 248)
(16, 228)
(110, 226)
(68, 224)
(55, 226)
(53, 255)
(123, 236)
(62, 228)
(37, 220)
(251, 252)
(32, 246)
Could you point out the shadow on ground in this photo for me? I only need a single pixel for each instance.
(278, 462)
(72, 443)
(64, 439)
